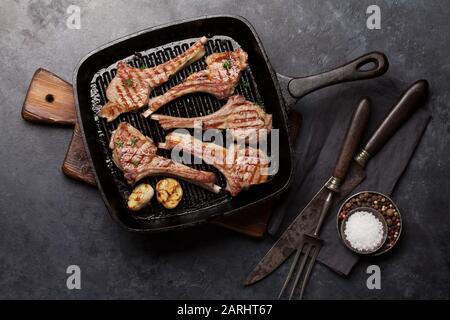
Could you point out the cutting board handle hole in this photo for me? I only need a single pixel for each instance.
(49, 98)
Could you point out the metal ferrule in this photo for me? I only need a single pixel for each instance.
(362, 157)
(334, 184)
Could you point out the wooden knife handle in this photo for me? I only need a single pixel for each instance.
(352, 139)
(408, 103)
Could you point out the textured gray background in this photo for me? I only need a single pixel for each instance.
(49, 222)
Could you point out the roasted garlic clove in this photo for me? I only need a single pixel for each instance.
(169, 192)
(140, 197)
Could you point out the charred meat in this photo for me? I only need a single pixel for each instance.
(135, 154)
(241, 166)
(219, 79)
(241, 117)
(130, 89)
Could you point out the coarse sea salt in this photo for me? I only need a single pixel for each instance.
(364, 231)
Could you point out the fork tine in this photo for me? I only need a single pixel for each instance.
(308, 271)
(300, 270)
(291, 270)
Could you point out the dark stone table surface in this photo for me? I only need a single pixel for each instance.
(49, 222)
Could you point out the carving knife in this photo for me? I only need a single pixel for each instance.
(306, 221)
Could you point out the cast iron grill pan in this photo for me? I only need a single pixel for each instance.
(259, 83)
(194, 105)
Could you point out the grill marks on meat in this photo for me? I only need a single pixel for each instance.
(130, 89)
(219, 79)
(242, 167)
(244, 119)
(135, 154)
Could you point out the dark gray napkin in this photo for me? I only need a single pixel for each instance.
(316, 151)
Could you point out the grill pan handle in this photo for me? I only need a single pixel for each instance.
(376, 64)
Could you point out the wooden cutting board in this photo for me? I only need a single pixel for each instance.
(50, 100)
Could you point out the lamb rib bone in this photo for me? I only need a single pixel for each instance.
(130, 89)
(135, 154)
(243, 119)
(219, 79)
(241, 166)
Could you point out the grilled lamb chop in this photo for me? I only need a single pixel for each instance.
(219, 79)
(243, 118)
(129, 90)
(135, 154)
(242, 167)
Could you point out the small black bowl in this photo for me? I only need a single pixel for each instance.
(377, 215)
(388, 246)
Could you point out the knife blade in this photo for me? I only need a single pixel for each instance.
(306, 221)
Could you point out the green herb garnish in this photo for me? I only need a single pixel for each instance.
(135, 163)
(119, 143)
(134, 141)
(227, 64)
(128, 82)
